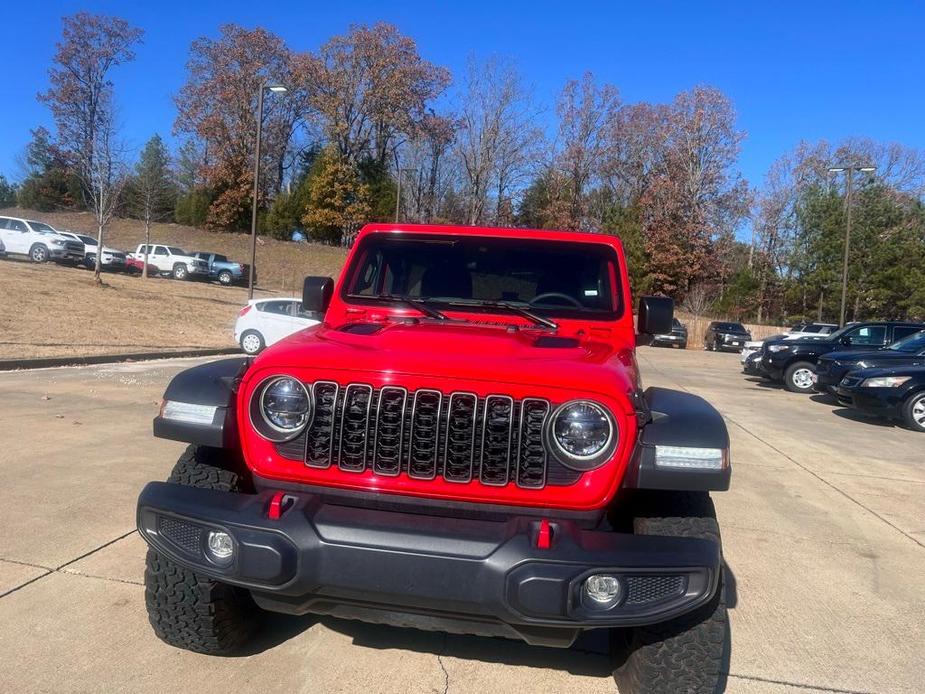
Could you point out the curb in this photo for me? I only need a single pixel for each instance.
(49, 362)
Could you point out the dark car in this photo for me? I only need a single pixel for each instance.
(725, 336)
(892, 393)
(752, 364)
(676, 338)
(793, 362)
(224, 270)
(832, 368)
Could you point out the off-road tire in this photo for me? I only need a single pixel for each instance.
(180, 272)
(38, 253)
(186, 609)
(793, 370)
(225, 278)
(911, 411)
(684, 655)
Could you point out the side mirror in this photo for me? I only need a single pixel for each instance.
(316, 294)
(846, 340)
(654, 315)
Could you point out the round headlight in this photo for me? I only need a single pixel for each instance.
(284, 406)
(583, 434)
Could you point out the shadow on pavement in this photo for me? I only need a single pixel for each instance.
(856, 416)
(589, 656)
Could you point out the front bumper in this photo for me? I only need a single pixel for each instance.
(430, 572)
(881, 402)
(65, 254)
(827, 381)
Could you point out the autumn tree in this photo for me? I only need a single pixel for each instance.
(218, 107)
(426, 157)
(338, 202)
(81, 101)
(371, 89)
(152, 190)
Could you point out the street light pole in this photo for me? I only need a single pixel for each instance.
(849, 172)
(278, 88)
(398, 195)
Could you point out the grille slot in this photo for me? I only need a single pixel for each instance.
(354, 421)
(319, 439)
(497, 428)
(459, 455)
(390, 431)
(424, 447)
(531, 450)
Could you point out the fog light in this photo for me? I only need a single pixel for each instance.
(602, 591)
(221, 546)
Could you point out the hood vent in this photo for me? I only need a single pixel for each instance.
(362, 328)
(556, 342)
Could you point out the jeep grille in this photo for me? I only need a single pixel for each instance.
(459, 436)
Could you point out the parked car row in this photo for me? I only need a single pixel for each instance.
(876, 367)
(40, 242)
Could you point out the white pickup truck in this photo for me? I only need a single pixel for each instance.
(173, 261)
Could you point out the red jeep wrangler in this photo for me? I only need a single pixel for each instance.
(463, 445)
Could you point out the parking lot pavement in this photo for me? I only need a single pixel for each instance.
(823, 534)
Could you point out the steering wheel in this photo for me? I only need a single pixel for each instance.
(556, 295)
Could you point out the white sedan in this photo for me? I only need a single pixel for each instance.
(264, 322)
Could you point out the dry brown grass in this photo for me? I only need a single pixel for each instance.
(281, 265)
(49, 310)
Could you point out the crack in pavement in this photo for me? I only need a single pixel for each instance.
(800, 465)
(446, 674)
(801, 685)
(62, 567)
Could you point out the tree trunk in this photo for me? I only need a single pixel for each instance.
(99, 254)
(144, 266)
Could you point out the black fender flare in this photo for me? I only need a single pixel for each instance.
(677, 418)
(214, 385)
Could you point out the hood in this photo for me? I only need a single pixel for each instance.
(884, 356)
(918, 371)
(460, 350)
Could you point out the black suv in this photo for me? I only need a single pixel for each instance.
(725, 336)
(794, 361)
(832, 368)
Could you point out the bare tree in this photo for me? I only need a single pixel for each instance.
(103, 173)
(496, 131)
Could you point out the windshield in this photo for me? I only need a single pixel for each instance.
(176, 251)
(913, 343)
(730, 327)
(43, 228)
(549, 277)
(90, 241)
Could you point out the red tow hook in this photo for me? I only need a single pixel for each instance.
(278, 505)
(544, 536)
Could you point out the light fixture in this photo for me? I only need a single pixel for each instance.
(221, 546)
(277, 88)
(601, 591)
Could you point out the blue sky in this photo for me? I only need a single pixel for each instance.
(795, 70)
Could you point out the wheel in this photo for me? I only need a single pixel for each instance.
(252, 342)
(38, 253)
(180, 272)
(224, 277)
(798, 377)
(186, 609)
(684, 654)
(683, 345)
(914, 412)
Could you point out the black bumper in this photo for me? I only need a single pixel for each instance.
(451, 574)
(881, 402)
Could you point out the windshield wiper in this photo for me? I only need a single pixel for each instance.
(413, 302)
(513, 308)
